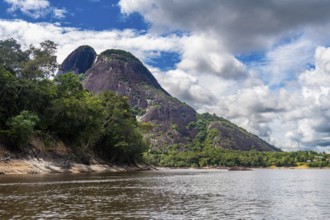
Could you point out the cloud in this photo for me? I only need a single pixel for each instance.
(320, 76)
(240, 25)
(204, 55)
(35, 9)
(313, 127)
(68, 39)
(284, 62)
(184, 86)
(59, 13)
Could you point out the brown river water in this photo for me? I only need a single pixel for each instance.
(170, 194)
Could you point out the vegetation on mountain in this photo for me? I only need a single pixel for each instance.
(217, 132)
(119, 54)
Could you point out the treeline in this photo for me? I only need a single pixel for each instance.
(218, 157)
(32, 105)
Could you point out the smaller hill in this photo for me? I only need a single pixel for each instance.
(217, 132)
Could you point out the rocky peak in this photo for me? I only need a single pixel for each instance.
(123, 73)
(79, 61)
(125, 67)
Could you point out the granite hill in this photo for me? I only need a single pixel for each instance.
(171, 123)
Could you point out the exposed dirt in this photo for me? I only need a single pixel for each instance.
(37, 159)
(41, 166)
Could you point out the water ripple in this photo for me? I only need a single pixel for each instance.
(260, 194)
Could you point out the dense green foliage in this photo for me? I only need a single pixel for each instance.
(229, 158)
(33, 105)
(120, 130)
(22, 127)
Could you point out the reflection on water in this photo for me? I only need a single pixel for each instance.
(179, 194)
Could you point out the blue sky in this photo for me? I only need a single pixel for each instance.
(86, 14)
(263, 65)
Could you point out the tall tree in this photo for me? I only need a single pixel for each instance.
(42, 62)
(76, 116)
(11, 55)
(121, 140)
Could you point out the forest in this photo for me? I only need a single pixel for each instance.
(34, 103)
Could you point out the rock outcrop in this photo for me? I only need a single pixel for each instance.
(79, 61)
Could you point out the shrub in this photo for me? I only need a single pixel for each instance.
(21, 128)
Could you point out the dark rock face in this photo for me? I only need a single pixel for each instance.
(169, 119)
(79, 61)
(124, 74)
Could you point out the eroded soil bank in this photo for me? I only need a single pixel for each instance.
(41, 166)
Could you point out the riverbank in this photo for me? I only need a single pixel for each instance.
(41, 166)
(37, 159)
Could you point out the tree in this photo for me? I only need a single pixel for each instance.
(8, 96)
(42, 62)
(11, 55)
(22, 127)
(76, 115)
(69, 85)
(121, 140)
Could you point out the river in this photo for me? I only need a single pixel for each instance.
(171, 194)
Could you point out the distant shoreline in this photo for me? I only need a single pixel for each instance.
(241, 168)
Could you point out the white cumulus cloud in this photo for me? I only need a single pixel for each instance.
(68, 39)
(35, 8)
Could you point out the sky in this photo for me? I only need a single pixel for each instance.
(264, 65)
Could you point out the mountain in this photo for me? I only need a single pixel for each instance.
(79, 61)
(170, 122)
(124, 74)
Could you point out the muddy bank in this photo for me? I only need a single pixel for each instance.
(41, 166)
(37, 159)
